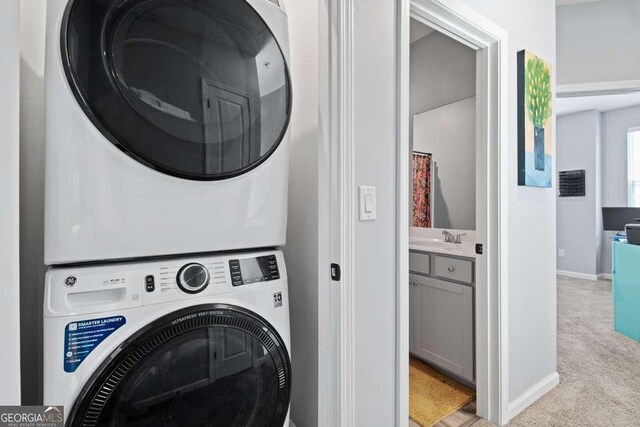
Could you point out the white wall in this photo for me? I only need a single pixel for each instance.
(615, 124)
(579, 228)
(301, 251)
(9, 201)
(32, 268)
(374, 316)
(532, 211)
(598, 42)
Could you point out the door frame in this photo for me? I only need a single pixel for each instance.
(338, 200)
(465, 25)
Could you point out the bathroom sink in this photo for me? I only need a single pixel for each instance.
(466, 249)
(424, 240)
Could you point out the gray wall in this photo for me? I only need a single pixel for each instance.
(579, 224)
(301, 251)
(442, 71)
(576, 147)
(32, 268)
(615, 124)
(449, 134)
(9, 199)
(598, 42)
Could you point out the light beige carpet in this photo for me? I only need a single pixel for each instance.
(432, 395)
(599, 368)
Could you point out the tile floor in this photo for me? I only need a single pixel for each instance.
(463, 417)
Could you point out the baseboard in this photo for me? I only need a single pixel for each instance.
(577, 275)
(533, 394)
(605, 276)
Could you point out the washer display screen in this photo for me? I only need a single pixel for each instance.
(246, 271)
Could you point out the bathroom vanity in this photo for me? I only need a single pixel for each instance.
(441, 298)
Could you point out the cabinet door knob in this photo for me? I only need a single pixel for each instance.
(451, 269)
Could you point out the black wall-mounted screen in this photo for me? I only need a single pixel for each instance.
(615, 219)
(571, 183)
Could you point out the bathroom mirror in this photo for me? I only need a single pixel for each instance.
(442, 131)
(444, 172)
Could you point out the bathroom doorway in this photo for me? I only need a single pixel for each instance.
(443, 143)
(451, 290)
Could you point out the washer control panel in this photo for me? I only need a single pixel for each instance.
(112, 287)
(246, 271)
(208, 275)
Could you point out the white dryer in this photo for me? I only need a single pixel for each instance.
(175, 342)
(166, 127)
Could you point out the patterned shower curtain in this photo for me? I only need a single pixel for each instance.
(421, 190)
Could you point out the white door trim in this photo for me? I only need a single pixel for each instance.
(467, 26)
(337, 208)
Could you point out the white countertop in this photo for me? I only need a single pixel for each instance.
(466, 249)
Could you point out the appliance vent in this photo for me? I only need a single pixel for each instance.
(571, 183)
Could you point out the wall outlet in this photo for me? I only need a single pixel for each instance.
(561, 253)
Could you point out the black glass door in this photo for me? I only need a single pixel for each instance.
(194, 88)
(210, 365)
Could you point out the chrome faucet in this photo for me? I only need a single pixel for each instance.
(450, 238)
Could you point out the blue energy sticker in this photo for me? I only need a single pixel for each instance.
(81, 338)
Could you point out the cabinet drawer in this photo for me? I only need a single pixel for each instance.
(454, 269)
(419, 263)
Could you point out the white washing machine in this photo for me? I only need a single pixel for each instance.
(174, 342)
(166, 127)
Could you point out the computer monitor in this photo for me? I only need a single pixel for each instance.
(615, 219)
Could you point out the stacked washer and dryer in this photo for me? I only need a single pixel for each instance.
(167, 143)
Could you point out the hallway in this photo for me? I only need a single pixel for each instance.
(599, 368)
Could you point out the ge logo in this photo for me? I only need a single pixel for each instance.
(70, 281)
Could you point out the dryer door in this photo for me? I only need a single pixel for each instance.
(209, 365)
(197, 89)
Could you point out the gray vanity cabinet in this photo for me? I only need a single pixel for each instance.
(442, 317)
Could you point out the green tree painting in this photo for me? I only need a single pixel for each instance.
(538, 101)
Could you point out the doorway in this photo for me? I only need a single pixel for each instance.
(466, 26)
(442, 234)
(339, 194)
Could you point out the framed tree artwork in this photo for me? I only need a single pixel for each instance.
(535, 121)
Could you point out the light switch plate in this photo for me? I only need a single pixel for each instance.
(367, 203)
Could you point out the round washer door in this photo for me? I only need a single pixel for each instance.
(197, 89)
(208, 365)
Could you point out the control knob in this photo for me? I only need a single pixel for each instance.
(193, 278)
